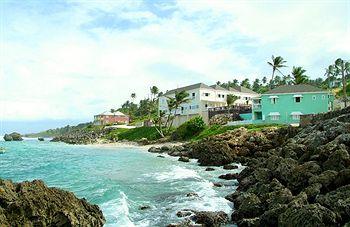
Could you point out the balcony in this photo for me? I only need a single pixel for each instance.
(256, 106)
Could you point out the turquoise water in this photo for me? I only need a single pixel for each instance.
(119, 180)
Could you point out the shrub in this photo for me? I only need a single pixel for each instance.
(189, 129)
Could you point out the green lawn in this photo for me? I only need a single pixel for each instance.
(134, 134)
(219, 129)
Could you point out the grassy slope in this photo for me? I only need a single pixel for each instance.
(134, 134)
(218, 129)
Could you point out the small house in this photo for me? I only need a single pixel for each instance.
(109, 117)
(285, 104)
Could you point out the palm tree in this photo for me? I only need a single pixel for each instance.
(330, 74)
(113, 111)
(276, 63)
(133, 96)
(299, 76)
(154, 91)
(174, 103)
(343, 69)
(230, 100)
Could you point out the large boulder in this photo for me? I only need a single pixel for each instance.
(308, 215)
(13, 137)
(209, 218)
(35, 204)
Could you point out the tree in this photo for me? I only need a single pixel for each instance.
(230, 100)
(299, 76)
(113, 111)
(133, 96)
(276, 63)
(245, 83)
(342, 69)
(256, 85)
(331, 76)
(164, 126)
(264, 80)
(154, 91)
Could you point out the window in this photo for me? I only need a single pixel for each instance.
(314, 97)
(219, 95)
(296, 117)
(206, 94)
(193, 94)
(275, 117)
(297, 99)
(273, 100)
(223, 96)
(206, 105)
(323, 97)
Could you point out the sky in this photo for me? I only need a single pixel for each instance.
(64, 61)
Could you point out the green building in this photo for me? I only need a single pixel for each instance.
(285, 104)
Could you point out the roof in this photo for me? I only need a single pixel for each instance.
(190, 87)
(117, 113)
(299, 88)
(218, 87)
(243, 89)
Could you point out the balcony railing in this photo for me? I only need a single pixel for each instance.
(257, 106)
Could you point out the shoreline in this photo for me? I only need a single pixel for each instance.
(130, 144)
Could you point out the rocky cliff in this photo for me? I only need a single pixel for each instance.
(294, 176)
(34, 204)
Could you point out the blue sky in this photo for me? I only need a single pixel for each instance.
(68, 60)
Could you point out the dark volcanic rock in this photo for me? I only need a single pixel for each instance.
(209, 169)
(41, 139)
(230, 167)
(208, 218)
(295, 176)
(229, 176)
(144, 207)
(184, 159)
(13, 137)
(34, 204)
(155, 150)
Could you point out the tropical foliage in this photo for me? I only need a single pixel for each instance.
(277, 63)
(299, 76)
(189, 129)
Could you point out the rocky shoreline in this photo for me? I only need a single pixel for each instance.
(35, 204)
(295, 176)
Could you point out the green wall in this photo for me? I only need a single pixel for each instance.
(311, 103)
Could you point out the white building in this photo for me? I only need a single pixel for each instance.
(202, 97)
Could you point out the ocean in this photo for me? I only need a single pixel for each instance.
(119, 179)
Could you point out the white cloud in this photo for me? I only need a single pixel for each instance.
(55, 68)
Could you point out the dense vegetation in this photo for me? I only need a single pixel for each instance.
(135, 134)
(60, 131)
(189, 129)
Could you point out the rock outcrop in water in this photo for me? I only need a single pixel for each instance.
(83, 136)
(34, 204)
(13, 137)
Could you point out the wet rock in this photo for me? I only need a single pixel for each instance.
(183, 159)
(144, 207)
(192, 194)
(230, 167)
(34, 204)
(209, 218)
(166, 148)
(161, 156)
(249, 222)
(209, 169)
(155, 150)
(143, 141)
(184, 213)
(219, 185)
(229, 176)
(41, 139)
